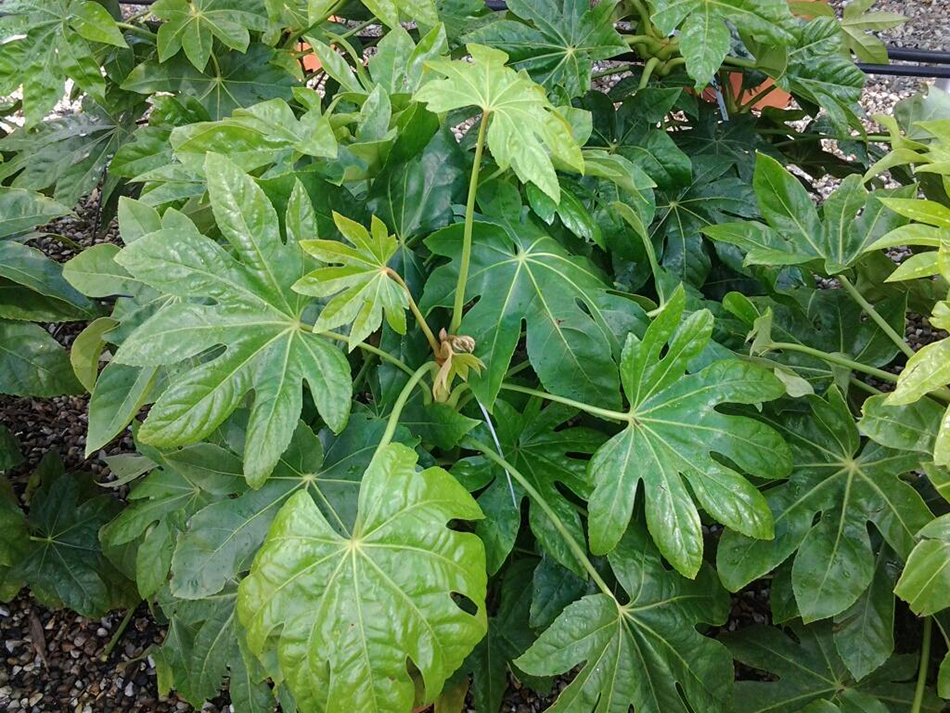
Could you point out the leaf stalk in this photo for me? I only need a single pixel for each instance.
(469, 225)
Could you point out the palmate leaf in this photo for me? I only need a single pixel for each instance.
(347, 612)
(683, 211)
(223, 537)
(64, 563)
(859, 22)
(852, 220)
(819, 70)
(556, 42)
(42, 42)
(520, 275)
(542, 453)
(523, 126)
(673, 434)
(631, 131)
(642, 652)
(239, 80)
(193, 25)
(360, 279)
(388, 11)
(70, 154)
(849, 487)
(811, 671)
(186, 481)
(705, 37)
(255, 315)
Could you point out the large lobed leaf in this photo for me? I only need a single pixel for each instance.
(846, 484)
(256, 316)
(674, 429)
(346, 612)
(523, 126)
(642, 651)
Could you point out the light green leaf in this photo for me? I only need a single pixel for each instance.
(925, 581)
(87, 349)
(360, 279)
(645, 654)
(256, 316)
(352, 610)
(95, 273)
(119, 394)
(674, 431)
(705, 36)
(523, 126)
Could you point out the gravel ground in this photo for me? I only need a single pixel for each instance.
(51, 660)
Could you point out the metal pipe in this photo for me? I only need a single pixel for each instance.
(905, 70)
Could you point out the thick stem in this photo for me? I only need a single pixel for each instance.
(401, 403)
(835, 359)
(644, 13)
(575, 548)
(587, 408)
(648, 71)
(469, 223)
(750, 104)
(740, 62)
(875, 315)
(137, 29)
(420, 319)
(924, 666)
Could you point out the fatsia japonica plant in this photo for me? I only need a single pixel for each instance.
(463, 348)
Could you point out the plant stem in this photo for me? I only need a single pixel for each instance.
(587, 408)
(420, 319)
(469, 224)
(644, 14)
(671, 65)
(924, 665)
(362, 26)
(740, 62)
(137, 30)
(835, 359)
(875, 315)
(750, 104)
(575, 548)
(123, 625)
(401, 403)
(371, 349)
(648, 72)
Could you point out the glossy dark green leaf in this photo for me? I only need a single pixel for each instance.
(811, 671)
(520, 275)
(31, 269)
(674, 431)
(849, 487)
(65, 559)
(646, 652)
(556, 42)
(548, 457)
(240, 80)
(416, 197)
(353, 609)
(21, 210)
